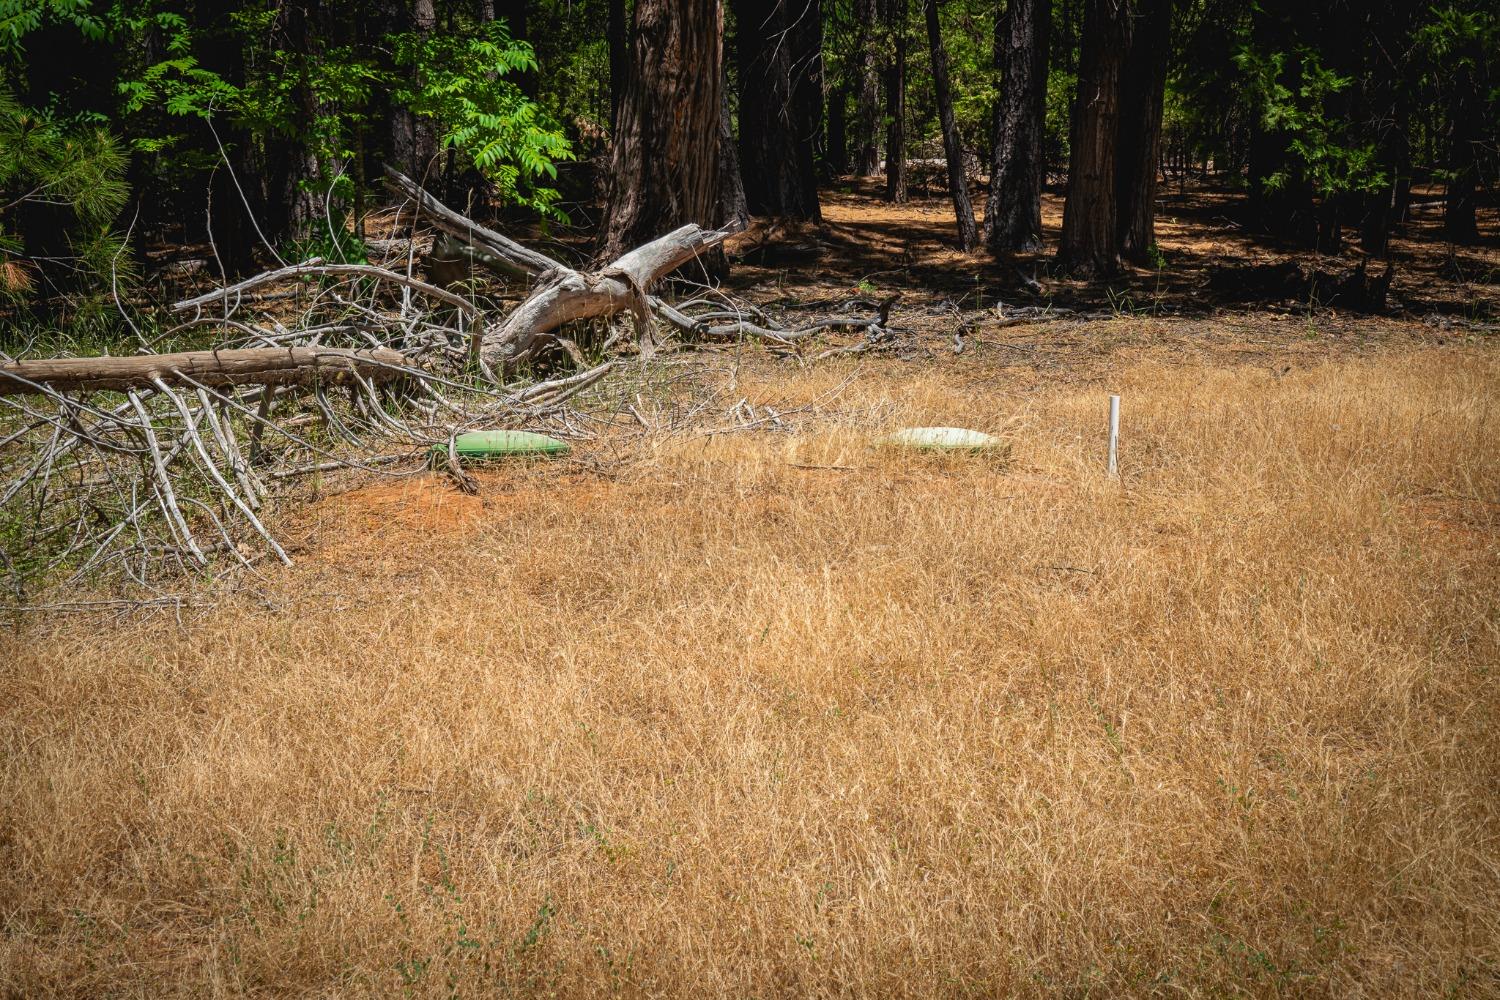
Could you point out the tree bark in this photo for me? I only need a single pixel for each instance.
(958, 181)
(1459, 222)
(664, 160)
(1013, 215)
(400, 124)
(867, 98)
(836, 154)
(1138, 149)
(895, 102)
(1090, 236)
(424, 135)
(734, 212)
(293, 171)
(779, 49)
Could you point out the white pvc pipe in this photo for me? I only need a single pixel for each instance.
(1114, 435)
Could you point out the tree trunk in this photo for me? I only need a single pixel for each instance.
(424, 135)
(867, 97)
(895, 103)
(958, 181)
(227, 216)
(565, 295)
(733, 210)
(513, 13)
(1013, 216)
(779, 48)
(1090, 235)
(836, 154)
(293, 172)
(664, 168)
(1459, 223)
(1384, 209)
(1138, 149)
(400, 124)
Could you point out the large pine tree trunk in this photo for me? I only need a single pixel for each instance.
(424, 135)
(1090, 235)
(400, 124)
(1013, 215)
(958, 182)
(867, 95)
(779, 49)
(664, 160)
(895, 102)
(412, 141)
(1138, 151)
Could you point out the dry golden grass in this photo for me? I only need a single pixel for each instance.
(718, 725)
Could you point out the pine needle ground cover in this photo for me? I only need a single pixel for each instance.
(781, 714)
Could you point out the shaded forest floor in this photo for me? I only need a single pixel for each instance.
(732, 702)
(1210, 262)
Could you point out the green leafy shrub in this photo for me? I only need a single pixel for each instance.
(461, 85)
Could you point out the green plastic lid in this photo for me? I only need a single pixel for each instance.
(477, 446)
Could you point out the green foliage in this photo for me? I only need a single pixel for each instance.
(1061, 85)
(72, 179)
(570, 40)
(1458, 36)
(336, 83)
(20, 17)
(1295, 91)
(461, 85)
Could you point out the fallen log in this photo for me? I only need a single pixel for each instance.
(249, 366)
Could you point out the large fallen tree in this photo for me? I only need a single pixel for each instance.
(317, 366)
(562, 294)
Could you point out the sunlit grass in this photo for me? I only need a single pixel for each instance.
(784, 714)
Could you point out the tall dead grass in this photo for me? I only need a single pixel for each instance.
(768, 715)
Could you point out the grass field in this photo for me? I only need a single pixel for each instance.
(780, 714)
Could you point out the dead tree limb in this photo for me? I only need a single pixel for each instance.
(312, 267)
(564, 295)
(510, 257)
(249, 366)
